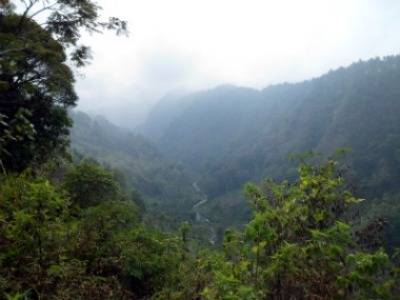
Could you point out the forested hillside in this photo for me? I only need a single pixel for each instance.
(164, 185)
(230, 135)
(92, 211)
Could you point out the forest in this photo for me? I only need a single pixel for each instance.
(231, 193)
(354, 109)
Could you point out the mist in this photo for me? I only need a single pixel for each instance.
(177, 46)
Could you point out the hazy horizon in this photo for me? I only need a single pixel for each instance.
(186, 45)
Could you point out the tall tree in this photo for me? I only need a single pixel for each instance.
(36, 82)
(300, 245)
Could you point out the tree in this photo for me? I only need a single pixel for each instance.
(87, 184)
(299, 245)
(32, 234)
(34, 75)
(51, 249)
(17, 130)
(64, 20)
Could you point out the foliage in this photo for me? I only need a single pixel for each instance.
(54, 250)
(249, 133)
(32, 231)
(88, 184)
(64, 21)
(77, 232)
(15, 131)
(164, 185)
(298, 245)
(35, 81)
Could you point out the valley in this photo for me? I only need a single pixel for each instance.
(199, 150)
(221, 138)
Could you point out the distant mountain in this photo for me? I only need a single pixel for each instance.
(164, 184)
(229, 135)
(162, 115)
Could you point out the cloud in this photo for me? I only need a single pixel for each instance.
(190, 44)
(166, 68)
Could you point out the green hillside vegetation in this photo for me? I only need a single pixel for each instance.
(164, 185)
(60, 241)
(250, 134)
(82, 220)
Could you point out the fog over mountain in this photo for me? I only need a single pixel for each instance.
(226, 149)
(190, 45)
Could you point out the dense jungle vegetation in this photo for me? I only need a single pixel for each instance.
(249, 135)
(93, 211)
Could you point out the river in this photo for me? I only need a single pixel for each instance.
(200, 217)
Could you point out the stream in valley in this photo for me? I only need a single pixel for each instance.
(200, 217)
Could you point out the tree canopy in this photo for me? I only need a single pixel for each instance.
(36, 80)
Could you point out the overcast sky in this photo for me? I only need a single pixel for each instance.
(194, 44)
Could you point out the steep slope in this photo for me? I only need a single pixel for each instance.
(229, 135)
(162, 114)
(165, 185)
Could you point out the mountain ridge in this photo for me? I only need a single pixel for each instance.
(229, 136)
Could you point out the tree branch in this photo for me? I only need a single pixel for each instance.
(48, 7)
(25, 14)
(6, 52)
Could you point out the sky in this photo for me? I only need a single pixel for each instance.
(185, 45)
